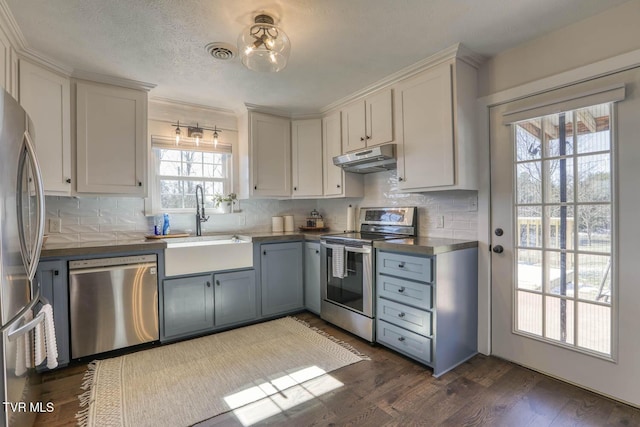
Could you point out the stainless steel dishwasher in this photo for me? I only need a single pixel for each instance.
(113, 303)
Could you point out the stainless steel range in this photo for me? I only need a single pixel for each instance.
(347, 268)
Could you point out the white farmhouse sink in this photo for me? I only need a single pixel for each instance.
(207, 253)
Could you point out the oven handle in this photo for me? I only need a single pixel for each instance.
(363, 250)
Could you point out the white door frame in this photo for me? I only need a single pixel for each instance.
(580, 74)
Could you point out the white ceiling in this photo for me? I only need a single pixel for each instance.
(337, 46)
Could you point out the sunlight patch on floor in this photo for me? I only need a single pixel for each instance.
(270, 398)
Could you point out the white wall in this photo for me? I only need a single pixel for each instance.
(602, 36)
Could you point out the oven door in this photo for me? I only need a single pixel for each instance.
(355, 290)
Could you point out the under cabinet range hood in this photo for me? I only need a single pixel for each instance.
(374, 159)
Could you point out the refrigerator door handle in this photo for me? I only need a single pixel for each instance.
(18, 317)
(31, 257)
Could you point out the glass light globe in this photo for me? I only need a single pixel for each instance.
(263, 46)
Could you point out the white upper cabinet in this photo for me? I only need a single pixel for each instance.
(435, 124)
(269, 155)
(111, 139)
(46, 97)
(368, 122)
(8, 66)
(306, 152)
(337, 183)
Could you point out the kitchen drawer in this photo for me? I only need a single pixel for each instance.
(404, 291)
(405, 266)
(406, 342)
(416, 320)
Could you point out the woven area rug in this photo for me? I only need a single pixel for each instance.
(187, 382)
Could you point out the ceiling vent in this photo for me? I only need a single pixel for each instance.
(221, 51)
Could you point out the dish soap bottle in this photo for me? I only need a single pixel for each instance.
(166, 228)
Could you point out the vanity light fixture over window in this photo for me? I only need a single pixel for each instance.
(196, 132)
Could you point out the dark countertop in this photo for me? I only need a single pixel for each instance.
(96, 248)
(424, 245)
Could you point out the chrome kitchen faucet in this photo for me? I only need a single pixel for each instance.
(200, 217)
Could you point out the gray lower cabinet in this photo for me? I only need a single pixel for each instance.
(427, 306)
(187, 305)
(54, 284)
(281, 277)
(235, 297)
(312, 277)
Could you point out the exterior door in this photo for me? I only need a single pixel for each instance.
(564, 204)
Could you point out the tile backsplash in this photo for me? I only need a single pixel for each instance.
(440, 214)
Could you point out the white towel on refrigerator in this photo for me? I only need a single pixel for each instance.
(51, 346)
(24, 349)
(338, 265)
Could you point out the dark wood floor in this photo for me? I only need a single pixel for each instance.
(391, 390)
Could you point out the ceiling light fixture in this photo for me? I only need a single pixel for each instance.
(196, 132)
(263, 46)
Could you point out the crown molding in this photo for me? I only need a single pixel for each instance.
(457, 51)
(190, 105)
(267, 110)
(170, 110)
(112, 80)
(11, 28)
(34, 56)
(306, 116)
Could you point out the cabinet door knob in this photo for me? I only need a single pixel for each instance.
(295, 188)
(368, 137)
(218, 282)
(139, 183)
(338, 186)
(401, 315)
(400, 178)
(362, 138)
(68, 180)
(401, 265)
(208, 284)
(401, 339)
(317, 251)
(264, 252)
(56, 272)
(255, 187)
(401, 290)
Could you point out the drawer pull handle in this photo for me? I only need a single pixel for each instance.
(401, 265)
(401, 290)
(400, 339)
(401, 315)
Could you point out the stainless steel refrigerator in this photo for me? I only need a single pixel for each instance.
(21, 235)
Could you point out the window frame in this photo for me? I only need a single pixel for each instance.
(161, 142)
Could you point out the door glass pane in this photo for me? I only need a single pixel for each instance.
(559, 319)
(594, 178)
(529, 269)
(593, 125)
(553, 125)
(528, 143)
(559, 223)
(529, 182)
(594, 278)
(594, 327)
(564, 228)
(594, 228)
(559, 280)
(558, 180)
(529, 308)
(529, 226)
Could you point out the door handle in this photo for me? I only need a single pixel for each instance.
(401, 290)
(498, 249)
